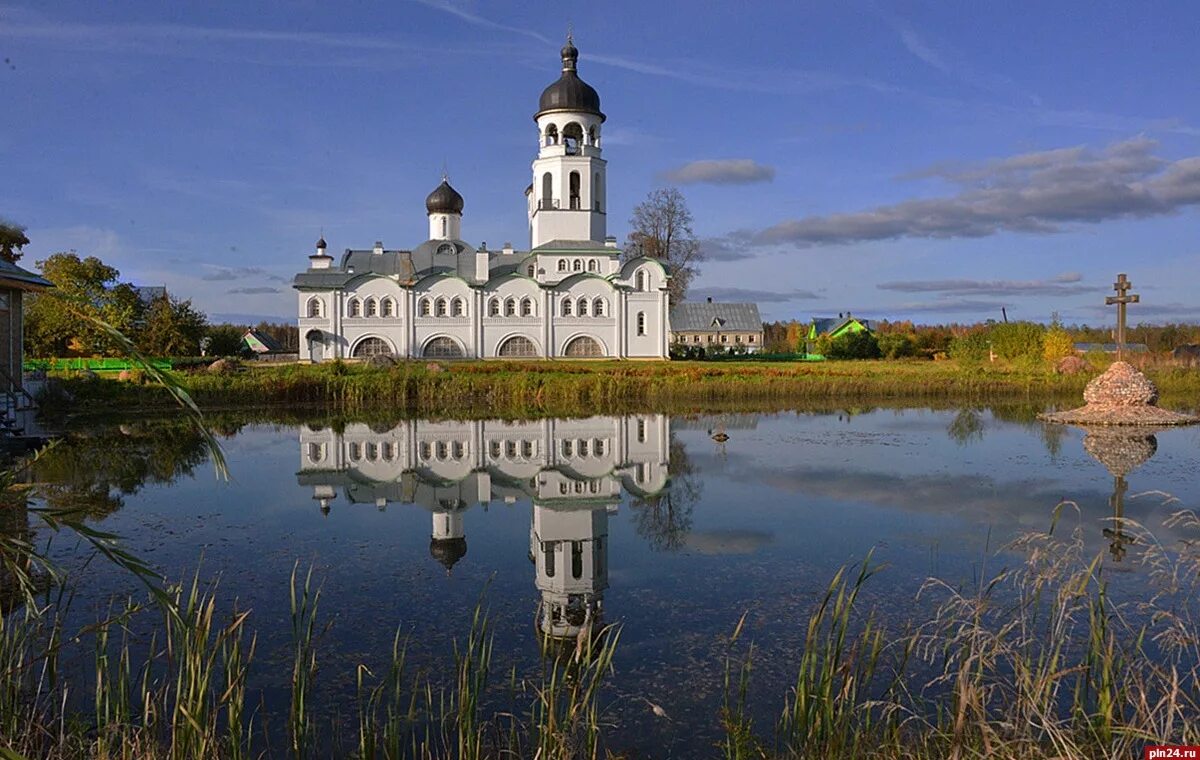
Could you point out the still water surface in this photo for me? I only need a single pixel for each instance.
(645, 521)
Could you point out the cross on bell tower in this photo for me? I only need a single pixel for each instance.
(1121, 299)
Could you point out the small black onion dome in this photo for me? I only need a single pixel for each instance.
(448, 551)
(570, 93)
(321, 242)
(444, 200)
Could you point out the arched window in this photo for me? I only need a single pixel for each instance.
(577, 265)
(494, 307)
(547, 191)
(389, 307)
(444, 233)
(313, 307)
(593, 265)
(527, 449)
(518, 345)
(641, 323)
(572, 137)
(583, 347)
(355, 451)
(574, 191)
(494, 449)
(510, 307)
(583, 307)
(529, 270)
(369, 347)
(443, 348)
(426, 308)
(441, 307)
(592, 135)
(527, 307)
(598, 307)
(425, 451)
(552, 135)
(562, 265)
(568, 448)
(596, 192)
(641, 279)
(316, 452)
(372, 308)
(458, 308)
(567, 307)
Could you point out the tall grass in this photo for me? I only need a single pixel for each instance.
(1036, 659)
(573, 388)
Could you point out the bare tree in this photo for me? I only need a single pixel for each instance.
(661, 228)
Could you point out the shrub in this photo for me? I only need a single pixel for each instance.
(896, 346)
(857, 345)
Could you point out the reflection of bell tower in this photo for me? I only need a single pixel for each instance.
(569, 548)
(1121, 451)
(449, 543)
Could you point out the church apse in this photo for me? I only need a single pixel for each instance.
(574, 474)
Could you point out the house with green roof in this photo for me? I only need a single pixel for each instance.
(833, 327)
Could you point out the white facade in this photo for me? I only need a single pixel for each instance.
(568, 296)
(573, 472)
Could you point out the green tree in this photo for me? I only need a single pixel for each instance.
(854, 345)
(51, 329)
(12, 240)
(661, 228)
(225, 340)
(172, 328)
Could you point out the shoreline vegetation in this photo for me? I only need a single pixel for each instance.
(1035, 660)
(539, 388)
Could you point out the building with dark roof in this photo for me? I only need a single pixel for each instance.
(568, 295)
(17, 404)
(717, 325)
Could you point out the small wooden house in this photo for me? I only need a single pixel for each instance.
(15, 399)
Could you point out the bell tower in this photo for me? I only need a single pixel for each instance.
(567, 196)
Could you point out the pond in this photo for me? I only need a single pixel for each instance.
(646, 521)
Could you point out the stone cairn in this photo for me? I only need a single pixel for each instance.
(1120, 396)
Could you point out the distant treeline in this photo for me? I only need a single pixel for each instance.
(905, 338)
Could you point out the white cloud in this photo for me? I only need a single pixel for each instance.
(724, 171)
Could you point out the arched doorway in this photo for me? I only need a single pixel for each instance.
(583, 347)
(517, 346)
(316, 345)
(369, 347)
(443, 348)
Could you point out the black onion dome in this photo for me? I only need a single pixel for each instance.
(448, 551)
(444, 200)
(570, 93)
(321, 242)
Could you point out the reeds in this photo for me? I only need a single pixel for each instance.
(514, 389)
(1037, 659)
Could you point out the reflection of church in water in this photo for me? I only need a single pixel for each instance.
(572, 471)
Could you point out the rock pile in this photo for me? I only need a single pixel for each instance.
(1120, 451)
(1120, 396)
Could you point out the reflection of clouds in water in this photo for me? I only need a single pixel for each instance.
(732, 541)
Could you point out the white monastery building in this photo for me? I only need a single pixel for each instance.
(569, 295)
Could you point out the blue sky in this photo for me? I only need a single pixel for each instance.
(924, 160)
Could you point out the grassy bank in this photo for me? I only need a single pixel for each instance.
(1034, 661)
(514, 389)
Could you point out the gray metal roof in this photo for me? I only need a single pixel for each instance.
(715, 317)
(14, 276)
(576, 245)
(452, 257)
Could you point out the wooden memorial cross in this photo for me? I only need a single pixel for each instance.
(1121, 299)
